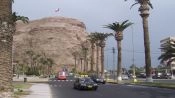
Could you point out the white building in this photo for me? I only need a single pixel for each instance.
(165, 43)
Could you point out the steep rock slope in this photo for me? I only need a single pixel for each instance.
(53, 36)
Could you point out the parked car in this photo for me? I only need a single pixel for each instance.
(162, 76)
(157, 76)
(61, 75)
(141, 75)
(124, 77)
(98, 79)
(85, 83)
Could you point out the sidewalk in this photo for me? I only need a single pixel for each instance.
(31, 79)
(39, 90)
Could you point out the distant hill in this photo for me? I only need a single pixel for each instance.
(56, 37)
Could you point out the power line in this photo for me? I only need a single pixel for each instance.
(135, 51)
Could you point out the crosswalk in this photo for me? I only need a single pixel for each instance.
(62, 80)
(61, 83)
(68, 83)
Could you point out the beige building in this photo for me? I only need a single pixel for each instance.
(165, 43)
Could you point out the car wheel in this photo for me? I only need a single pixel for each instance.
(79, 87)
(95, 89)
(74, 87)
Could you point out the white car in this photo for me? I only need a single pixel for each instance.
(125, 77)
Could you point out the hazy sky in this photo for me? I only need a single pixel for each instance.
(96, 13)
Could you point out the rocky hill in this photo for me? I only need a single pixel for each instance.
(55, 37)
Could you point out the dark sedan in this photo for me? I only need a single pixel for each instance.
(85, 84)
(98, 80)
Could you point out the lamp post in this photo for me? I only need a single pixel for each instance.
(113, 51)
(134, 75)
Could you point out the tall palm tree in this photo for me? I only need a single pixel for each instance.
(6, 38)
(102, 38)
(145, 5)
(43, 62)
(16, 18)
(31, 57)
(119, 28)
(168, 53)
(92, 38)
(75, 55)
(50, 63)
(97, 56)
(84, 47)
(99, 39)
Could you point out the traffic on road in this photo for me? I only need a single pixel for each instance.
(65, 89)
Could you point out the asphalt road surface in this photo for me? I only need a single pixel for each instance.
(64, 89)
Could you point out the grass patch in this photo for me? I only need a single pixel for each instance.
(154, 84)
(22, 85)
(21, 89)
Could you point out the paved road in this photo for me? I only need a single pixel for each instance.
(64, 89)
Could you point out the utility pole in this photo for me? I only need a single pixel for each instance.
(113, 52)
(107, 69)
(134, 75)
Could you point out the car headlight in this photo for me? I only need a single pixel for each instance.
(95, 84)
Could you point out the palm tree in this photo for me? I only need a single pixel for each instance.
(84, 47)
(102, 37)
(97, 57)
(99, 39)
(43, 62)
(16, 18)
(31, 58)
(92, 40)
(119, 28)
(6, 38)
(50, 63)
(75, 55)
(168, 54)
(145, 5)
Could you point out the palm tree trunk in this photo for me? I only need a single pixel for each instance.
(6, 40)
(81, 64)
(147, 49)
(85, 61)
(144, 13)
(92, 57)
(97, 59)
(119, 66)
(102, 62)
(75, 70)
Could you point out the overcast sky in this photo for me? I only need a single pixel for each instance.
(96, 13)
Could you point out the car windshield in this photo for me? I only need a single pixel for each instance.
(86, 80)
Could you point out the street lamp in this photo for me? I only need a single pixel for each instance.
(113, 51)
(134, 75)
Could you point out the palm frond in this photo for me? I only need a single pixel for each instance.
(127, 25)
(150, 4)
(134, 5)
(116, 26)
(110, 26)
(141, 2)
(123, 23)
(16, 17)
(169, 53)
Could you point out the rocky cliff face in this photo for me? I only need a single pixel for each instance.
(56, 37)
